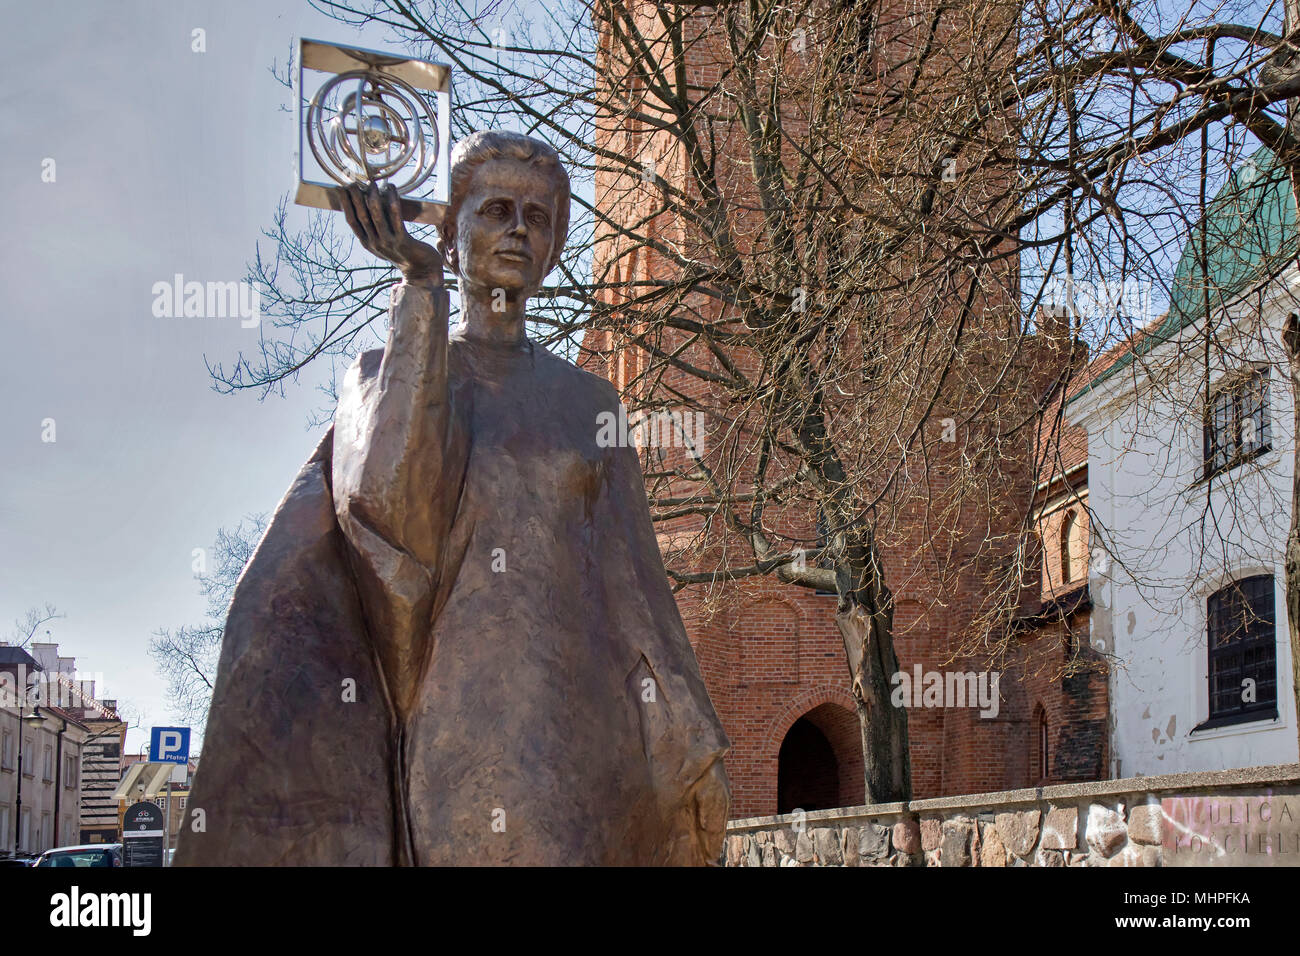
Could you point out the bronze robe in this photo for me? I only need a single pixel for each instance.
(495, 672)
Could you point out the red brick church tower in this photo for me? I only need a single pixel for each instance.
(771, 654)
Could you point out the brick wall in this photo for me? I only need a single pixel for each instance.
(771, 654)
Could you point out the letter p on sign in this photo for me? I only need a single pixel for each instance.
(169, 745)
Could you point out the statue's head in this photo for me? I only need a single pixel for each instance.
(508, 216)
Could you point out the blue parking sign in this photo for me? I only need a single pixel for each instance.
(169, 745)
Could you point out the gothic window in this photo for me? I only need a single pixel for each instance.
(1242, 652)
(1236, 426)
(1040, 741)
(1068, 569)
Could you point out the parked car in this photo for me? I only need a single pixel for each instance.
(92, 854)
(13, 862)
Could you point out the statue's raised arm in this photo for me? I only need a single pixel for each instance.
(390, 448)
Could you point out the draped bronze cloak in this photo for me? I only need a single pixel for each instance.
(555, 713)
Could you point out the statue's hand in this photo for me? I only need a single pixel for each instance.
(375, 215)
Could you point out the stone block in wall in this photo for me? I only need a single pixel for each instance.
(1145, 822)
(803, 847)
(907, 837)
(1060, 829)
(873, 841)
(1049, 858)
(826, 846)
(753, 855)
(1019, 831)
(785, 841)
(955, 846)
(931, 833)
(1131, 855)
(769, 855)
(849, 845)
(735, 849)
(1105, 830)
(992, 850)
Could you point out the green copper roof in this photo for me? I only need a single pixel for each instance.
(1250, 232)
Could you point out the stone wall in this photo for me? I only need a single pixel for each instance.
(1226, 818)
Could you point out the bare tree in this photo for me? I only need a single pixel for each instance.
(26, 627)
(187, 656)
(805, 234)
(828, 228)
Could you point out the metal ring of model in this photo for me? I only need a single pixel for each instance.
(355, 142)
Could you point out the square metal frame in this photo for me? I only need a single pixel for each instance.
(322, 57)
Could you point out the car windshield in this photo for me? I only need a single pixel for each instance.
(77, 858)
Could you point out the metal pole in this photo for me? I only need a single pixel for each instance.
(58, 781)
(18, 801)
(167, 818)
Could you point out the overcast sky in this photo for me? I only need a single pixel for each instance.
(165, 161)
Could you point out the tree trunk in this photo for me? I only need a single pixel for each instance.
(866, 621)
(1291, 339)
(1291, 336)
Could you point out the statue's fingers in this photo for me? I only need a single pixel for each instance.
(393, 211)
(374, 203)
(354, 208)
(350, 213)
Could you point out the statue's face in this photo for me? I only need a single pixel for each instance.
(505, 227)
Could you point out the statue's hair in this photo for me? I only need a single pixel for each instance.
(477, 148)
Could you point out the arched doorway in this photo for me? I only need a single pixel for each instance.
(807, 774)
(819, 765)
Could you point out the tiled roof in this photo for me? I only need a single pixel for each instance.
(16, 655)
(1250, 233)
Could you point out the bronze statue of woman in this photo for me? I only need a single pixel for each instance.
(456, 643)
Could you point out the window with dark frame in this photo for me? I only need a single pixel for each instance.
(1242, 652)
(1236, 426)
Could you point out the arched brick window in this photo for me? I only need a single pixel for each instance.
(1041, 759)
(1068, 525)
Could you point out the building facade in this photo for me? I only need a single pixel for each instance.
(1190, 438)
(40, 759)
